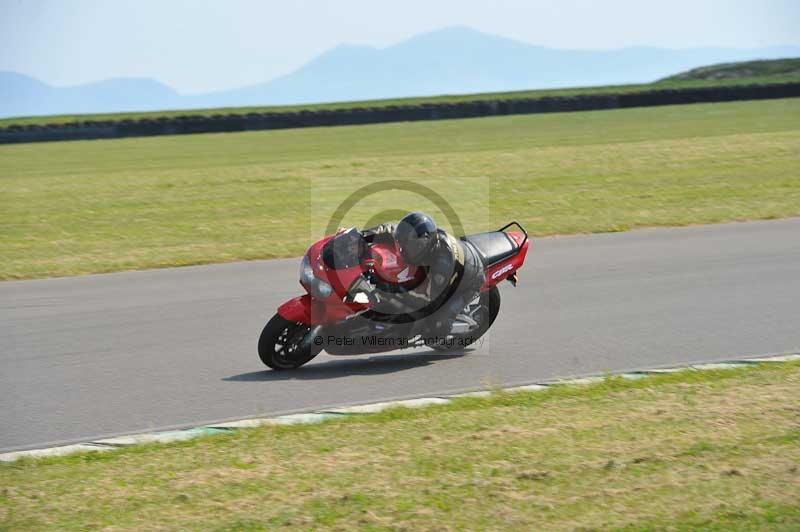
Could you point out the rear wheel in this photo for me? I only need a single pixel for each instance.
(281, 344)
(482, 310)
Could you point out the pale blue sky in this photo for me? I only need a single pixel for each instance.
(202, 45)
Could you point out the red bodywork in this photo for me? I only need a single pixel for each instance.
(506, 268)
(389, 266)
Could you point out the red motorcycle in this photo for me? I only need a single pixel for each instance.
(336, 314)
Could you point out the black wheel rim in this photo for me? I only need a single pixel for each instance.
(287, 347)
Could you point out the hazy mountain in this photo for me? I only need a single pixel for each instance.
(448, 61)
(22, 95)
(462, 60)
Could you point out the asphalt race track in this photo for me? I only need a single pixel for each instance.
(92, 356)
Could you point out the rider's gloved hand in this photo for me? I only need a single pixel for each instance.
(364, 285)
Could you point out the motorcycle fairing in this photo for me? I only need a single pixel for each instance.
(297, 309)
(388, 266)
(506, 268)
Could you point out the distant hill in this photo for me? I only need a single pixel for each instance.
(23, 95)
(742, 69)
(456, 60)
(461, 60)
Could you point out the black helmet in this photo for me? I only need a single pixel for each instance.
(416, 236)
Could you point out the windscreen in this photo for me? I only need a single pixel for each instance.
(345, 250)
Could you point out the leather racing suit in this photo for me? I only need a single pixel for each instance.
(454, 274)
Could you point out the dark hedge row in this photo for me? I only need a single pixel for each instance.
(183, 125)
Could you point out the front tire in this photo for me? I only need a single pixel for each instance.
(281, 345)
(489, 308)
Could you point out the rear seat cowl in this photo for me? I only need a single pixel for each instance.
(493, 246)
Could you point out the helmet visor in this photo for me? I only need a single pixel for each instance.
(414, 248)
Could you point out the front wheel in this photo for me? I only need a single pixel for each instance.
(482, 310)
(281, 344)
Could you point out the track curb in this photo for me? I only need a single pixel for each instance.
(319, 416)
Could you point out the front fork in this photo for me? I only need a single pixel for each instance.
(310, 340)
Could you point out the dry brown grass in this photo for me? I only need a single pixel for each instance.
(718, 449)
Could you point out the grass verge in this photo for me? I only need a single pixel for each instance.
(711, 450)
(98, 206)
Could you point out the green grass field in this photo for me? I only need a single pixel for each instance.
(767, 77)
(764, 69)
(99, 206)
(691, 451)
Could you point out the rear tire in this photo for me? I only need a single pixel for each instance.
(490, 307)
(280, 344)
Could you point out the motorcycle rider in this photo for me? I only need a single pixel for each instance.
(454, 273)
